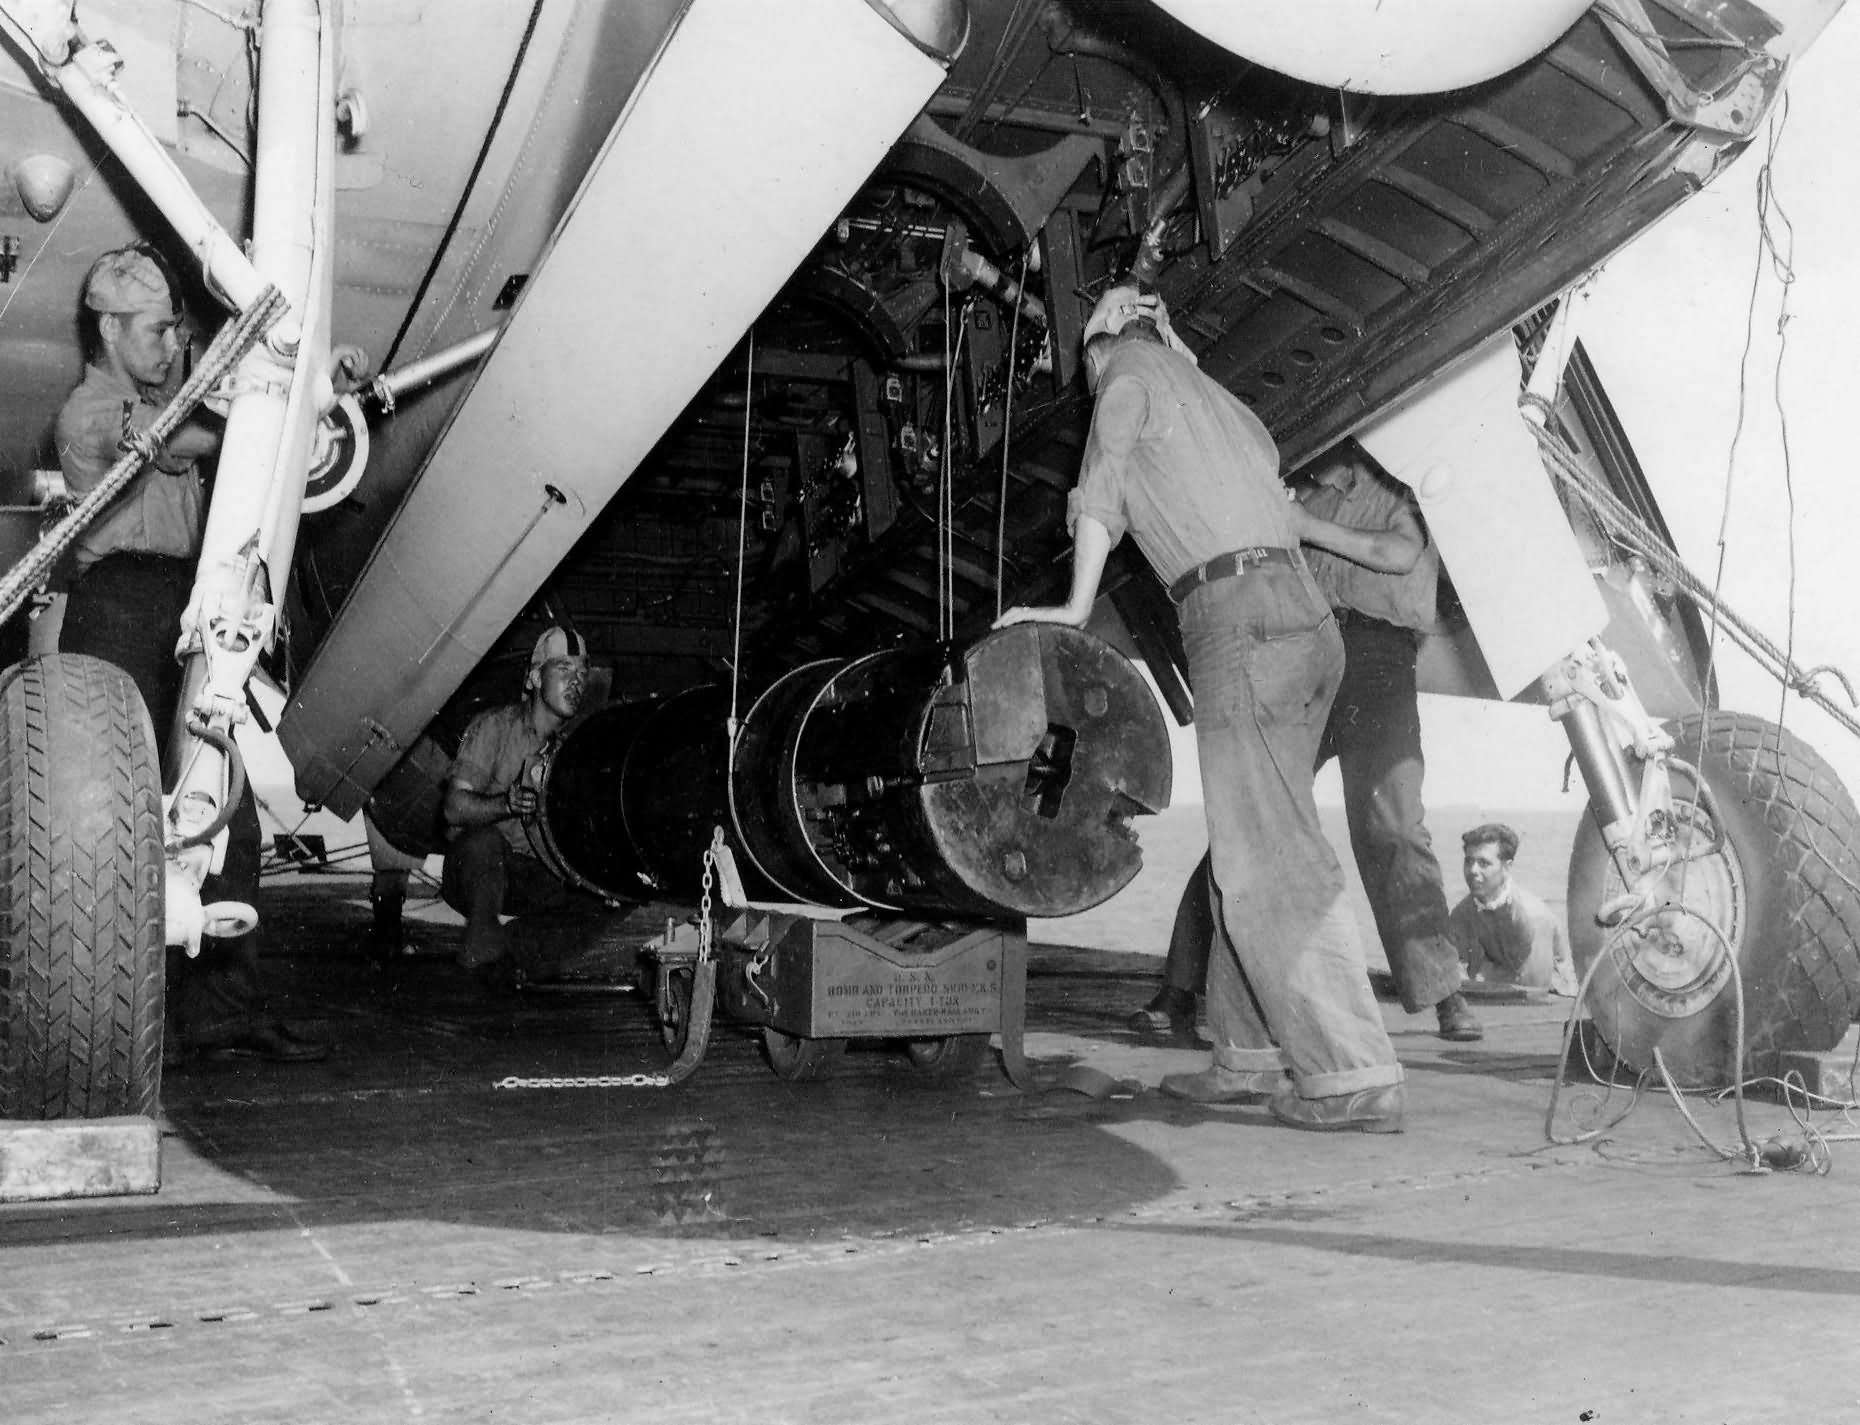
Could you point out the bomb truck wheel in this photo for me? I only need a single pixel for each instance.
(81, 884)
(953, 1056)
(796, 1059)
(1775, 875)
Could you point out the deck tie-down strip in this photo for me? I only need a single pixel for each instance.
(1244, 1209)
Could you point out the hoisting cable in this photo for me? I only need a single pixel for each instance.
(1007, 439)
(701, 1010)
(234, 340)
(742, 539)
(945, 551)
(946, 483)
(704, 971)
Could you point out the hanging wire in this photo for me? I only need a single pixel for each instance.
(944, 618)
(742, 542)
(1782, 266)
(946, 484)
(1007, 440)
(1814, 1153)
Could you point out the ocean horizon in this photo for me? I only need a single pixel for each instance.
(1137, 919)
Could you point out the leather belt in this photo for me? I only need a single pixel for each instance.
(1226, 566)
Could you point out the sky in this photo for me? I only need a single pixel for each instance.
(1666, 327)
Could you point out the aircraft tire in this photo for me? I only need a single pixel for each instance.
(796, 1059)
(953, 1056)
(81, 884)
(1783, 888)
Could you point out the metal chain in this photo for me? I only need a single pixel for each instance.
(704, 884)
(636, 1081)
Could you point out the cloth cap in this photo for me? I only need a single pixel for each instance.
(557, 643)
(127, 281)
(1121, 305)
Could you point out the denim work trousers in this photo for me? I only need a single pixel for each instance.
(485, 879)
(126, 610)
(1286, 983)
(1374, 730)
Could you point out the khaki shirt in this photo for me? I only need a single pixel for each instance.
(499, 749)
(1176, 459)
(160, 511)
(1372, 503)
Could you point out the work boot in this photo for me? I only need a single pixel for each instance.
(1377, 1110)
(275, 1043)
(1215, 1084)
(387, 935)
(1170, 1015)
(1457, 1021)
(483, 943)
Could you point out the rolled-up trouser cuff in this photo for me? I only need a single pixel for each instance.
(1346, 1081)
(1250, 1061)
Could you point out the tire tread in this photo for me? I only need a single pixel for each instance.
(81, 883)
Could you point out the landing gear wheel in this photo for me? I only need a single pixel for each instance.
(81, 880)
(953, 1056)
(796, 1059)
(675, 1011)
(1772, 874)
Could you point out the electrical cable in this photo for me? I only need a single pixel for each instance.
(1562, 1061)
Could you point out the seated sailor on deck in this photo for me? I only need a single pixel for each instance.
(1505, 934)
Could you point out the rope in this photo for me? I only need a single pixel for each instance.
(1631, 532)
(233, 342)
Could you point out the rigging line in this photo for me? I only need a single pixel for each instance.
(742, 538)
(1007, 439)
(1632, 535)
